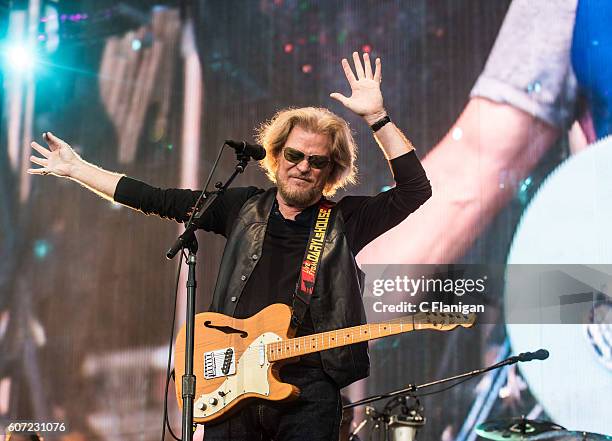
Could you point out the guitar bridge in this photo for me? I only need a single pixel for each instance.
(219, 363)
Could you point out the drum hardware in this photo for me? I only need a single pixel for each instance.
(390, 425)
(406, 425)
(515, 429)
(518, 429)
(566, 435)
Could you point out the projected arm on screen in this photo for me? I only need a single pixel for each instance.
(61, 160)
(472, 178)
(523, 100)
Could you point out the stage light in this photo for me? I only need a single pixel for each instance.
(535, 87)
(523, 190)
(41, 249)
(136, 44)
(457, 133)
(525, 185)
(19, 57)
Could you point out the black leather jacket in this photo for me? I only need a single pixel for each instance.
(336, 302)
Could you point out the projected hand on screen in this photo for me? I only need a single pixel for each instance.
(366, 98)
(58, 159)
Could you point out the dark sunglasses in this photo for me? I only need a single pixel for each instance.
(315, 161)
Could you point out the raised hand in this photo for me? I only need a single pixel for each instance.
(58, 160)
(366, 98)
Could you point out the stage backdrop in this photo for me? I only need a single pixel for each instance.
(152, 90)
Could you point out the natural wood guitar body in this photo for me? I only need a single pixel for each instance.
(269, 325)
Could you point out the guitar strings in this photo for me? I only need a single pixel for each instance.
(302, 342)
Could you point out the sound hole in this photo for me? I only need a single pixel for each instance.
(226, 329)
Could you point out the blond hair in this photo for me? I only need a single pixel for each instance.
(274, 133)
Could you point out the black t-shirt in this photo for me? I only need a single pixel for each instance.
(275, 276)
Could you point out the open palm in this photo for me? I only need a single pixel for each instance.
(366, 98)
(58, 159)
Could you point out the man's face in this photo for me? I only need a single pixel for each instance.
(300, 185)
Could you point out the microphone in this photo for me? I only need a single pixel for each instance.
(254, 151)
(540, 354)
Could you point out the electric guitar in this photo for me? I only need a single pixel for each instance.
(238, 360)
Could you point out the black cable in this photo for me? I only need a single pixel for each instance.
(168, 419)
(165, 418)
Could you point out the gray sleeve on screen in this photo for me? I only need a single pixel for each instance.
(529, 66)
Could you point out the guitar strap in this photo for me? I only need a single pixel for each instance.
(310, 264)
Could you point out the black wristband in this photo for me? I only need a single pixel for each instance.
(380, 123)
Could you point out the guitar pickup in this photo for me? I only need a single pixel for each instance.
(219, 363)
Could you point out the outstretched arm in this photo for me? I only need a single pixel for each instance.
(61, 160)
(366, 100)
(472, 178)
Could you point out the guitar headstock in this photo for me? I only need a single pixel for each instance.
(446, 321)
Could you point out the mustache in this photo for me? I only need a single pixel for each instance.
(302, 177)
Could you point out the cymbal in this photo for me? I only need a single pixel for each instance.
(513, 429)
(565, 435)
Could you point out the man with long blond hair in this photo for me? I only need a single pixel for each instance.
(311, 153)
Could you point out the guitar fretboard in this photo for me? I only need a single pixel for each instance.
(308, 344)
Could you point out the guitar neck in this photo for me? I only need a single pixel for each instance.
(309, 344)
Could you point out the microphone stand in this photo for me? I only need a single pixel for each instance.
(409, 392)
(188, 240)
